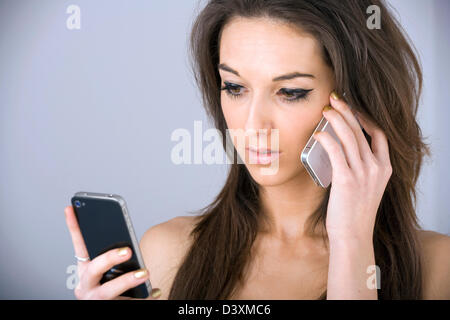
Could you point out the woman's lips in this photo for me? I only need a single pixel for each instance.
(262, 156)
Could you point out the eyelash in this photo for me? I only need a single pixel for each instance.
(300, 93)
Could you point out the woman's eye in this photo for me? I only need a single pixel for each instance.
(294, 95)
(232, 89)
(289, 95)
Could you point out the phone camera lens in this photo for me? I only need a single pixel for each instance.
(77, 204)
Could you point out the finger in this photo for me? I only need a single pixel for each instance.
(75, 232)
(345, 135)
(124, 298)
(115, 287)
(101, 264)
(348, 114)
(380, 145)
(334, 151)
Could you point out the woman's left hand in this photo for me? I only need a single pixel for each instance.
(360, 173)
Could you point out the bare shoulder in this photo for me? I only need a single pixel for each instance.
(436, 264)
(163, 247)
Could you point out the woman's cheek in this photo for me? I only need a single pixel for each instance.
(294, 139)
(234, 120)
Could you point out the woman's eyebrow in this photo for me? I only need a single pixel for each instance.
(288, 76)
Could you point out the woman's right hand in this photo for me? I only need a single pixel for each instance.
(90, 272)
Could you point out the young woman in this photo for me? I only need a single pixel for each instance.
(283, 65)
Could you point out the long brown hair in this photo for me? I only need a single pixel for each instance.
(381, 76)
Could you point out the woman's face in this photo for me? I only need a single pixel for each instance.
(259, 50)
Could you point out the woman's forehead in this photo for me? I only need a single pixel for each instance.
(261, 51)
(261, 42)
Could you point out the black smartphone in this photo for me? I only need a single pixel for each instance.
(105, 224)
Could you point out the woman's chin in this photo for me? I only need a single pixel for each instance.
(266, 175)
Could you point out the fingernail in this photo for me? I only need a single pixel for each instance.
(122, 251)
(335, 96)
(327, 108)
(156, 293)
(140, 273)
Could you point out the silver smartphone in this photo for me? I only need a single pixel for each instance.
(105, 224)
(314, 157)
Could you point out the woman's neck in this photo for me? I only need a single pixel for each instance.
(288, 206)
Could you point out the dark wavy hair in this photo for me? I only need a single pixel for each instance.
(380, 73)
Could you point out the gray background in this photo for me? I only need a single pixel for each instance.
(93, 110)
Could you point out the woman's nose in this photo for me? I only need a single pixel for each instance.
(259, 115)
